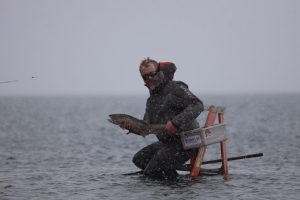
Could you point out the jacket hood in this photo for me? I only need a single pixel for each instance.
(168, 68)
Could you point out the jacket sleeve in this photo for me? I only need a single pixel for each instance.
(191, 106)
(146, 115)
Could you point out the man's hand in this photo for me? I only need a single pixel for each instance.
(170, 129)
(126, 125)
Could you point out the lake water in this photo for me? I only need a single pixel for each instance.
(64, 148)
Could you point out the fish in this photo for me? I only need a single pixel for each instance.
(139, 127)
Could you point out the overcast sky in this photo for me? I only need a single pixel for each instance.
(95, 47)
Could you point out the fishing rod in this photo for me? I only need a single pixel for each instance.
(235, 158)
(13, 81)
(188, 167)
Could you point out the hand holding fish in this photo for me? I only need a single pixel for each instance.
(170, 128)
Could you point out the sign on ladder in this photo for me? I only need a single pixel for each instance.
(203, 136)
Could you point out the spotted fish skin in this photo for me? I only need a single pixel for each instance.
(139, 127)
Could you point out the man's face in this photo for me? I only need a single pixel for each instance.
(149, 75)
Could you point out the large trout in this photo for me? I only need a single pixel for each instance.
(139, 127)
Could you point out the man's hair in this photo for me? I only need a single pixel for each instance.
(146, 61)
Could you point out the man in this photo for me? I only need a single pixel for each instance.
(170, 103)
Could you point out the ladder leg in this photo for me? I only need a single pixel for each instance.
(221, 117)
(197, 165)
(223, 147)
(224, 158)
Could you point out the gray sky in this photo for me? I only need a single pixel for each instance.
(95, 47)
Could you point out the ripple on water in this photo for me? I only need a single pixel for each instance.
(63, 148)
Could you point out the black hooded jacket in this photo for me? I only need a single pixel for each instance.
(172, 100)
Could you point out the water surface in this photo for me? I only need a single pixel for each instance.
(63, 148)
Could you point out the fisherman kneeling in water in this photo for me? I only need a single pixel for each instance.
(170, 103)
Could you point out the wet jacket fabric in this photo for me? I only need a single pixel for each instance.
(168, 68)
(172, 100)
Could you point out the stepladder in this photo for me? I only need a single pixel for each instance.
(213, 132)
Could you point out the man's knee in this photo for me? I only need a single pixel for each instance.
(136, 159)
(139, 160)
(143, 157)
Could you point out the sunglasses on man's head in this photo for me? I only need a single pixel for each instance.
(149, 75)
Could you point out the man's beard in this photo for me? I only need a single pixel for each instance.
(157, 82)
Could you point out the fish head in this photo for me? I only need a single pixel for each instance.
(119, 119)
